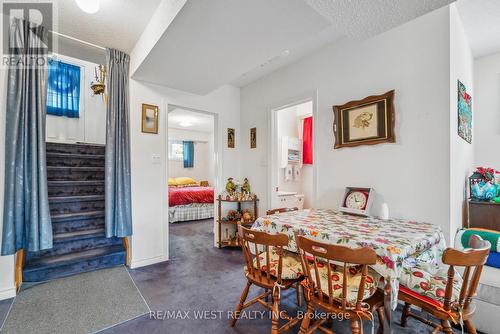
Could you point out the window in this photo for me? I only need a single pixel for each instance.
(176, 150)
(63, 89)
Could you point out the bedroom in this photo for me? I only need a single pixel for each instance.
(191, 165)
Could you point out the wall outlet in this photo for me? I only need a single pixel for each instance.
(155, 159)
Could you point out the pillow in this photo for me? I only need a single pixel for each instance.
(182, 181)
(171, 182)
(492, 236)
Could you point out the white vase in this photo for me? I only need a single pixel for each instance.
(384, 211)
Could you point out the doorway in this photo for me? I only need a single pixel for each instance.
(191, 164)
(292, 168)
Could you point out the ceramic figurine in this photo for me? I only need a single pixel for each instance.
(230, 186)
(245, 188)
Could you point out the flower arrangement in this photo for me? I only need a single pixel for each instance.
(487, 173)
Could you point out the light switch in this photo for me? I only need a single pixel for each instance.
(155, 159)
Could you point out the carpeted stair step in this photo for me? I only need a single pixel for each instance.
(66, 173)
(75, 188)
(77, 241)
(75, 160)
(79, 148)
(73, 222)
(51, 267)
(75, 204)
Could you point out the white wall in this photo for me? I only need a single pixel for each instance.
(90, 127)
(412, 175)
(461, 152)
(487, 111)
(203, 155)
(149, 180)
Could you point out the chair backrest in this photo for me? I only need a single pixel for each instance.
(324, 254)
(254, 243)
(280, 210)
(473, 259)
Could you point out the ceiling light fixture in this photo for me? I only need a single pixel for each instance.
(185, 124)
(88, 6)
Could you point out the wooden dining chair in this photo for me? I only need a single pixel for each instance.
(339, 282)
(270, 267)
(455, 306)
(280, 210)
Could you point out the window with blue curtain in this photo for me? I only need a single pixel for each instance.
(63, 89)
(188, 152)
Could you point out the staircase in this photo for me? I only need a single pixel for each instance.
(75, 174)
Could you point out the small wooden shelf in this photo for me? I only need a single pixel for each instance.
(233, 242)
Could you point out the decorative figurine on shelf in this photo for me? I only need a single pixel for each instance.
(482, 184)
(245, 188)
(230, 186)
(231, 215)
(247, 216)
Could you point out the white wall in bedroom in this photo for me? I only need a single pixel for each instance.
(461, 152)
(149, 180)
(412, 175)
(90, 127)
(203, 155)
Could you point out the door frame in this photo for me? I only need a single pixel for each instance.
(273, 151)
(216, 161)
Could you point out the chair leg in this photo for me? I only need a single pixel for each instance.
(299, 294)
(381, 319)
(469, 326)
(239, 307)
(275, 316)
(405, 314)
(446, 327)
(306, 321)
(355, 329)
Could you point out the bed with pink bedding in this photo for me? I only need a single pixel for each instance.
(190, 203)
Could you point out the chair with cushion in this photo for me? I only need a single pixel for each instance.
(280, 210)
(340, 283)
(271, 267)
(441, 292)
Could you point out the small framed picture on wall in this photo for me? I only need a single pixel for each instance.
(253, 138)
(230, 138)
(149, 118)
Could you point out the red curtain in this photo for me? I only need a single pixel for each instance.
(307, 141)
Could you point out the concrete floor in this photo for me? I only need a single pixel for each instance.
(198, 278)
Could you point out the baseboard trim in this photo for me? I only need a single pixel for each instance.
(147, 262)
(7, 293)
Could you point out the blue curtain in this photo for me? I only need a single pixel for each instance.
(118, 207)
(63, 91)
(188, 151)
(26, 216)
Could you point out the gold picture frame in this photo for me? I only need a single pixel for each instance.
(253, 138)
(368, 121)
(149, 118)
(230, 138)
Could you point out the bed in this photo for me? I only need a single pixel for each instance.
(190, 203)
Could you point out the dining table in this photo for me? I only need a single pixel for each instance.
(398, 243)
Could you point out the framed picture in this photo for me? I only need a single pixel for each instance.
(149, 118)
(253, 138)
(365, 122)
(464, 113)
(230, 138)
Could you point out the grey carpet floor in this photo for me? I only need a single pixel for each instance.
(84, 303)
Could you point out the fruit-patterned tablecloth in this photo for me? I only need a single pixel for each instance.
(398, 243)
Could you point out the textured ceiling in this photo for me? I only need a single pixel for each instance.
(481, 19)
(117, 24)
(199, 122)
(215, 42)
